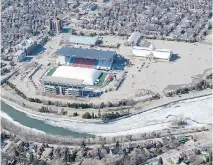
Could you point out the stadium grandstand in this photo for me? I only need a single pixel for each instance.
(86, 58)
(75, 81)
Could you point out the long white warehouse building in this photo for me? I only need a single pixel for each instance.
(151, 52)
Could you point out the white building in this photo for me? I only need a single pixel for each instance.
(29, 46)
(134, 38)
(152, 53)
(20, 55)
(86, 75)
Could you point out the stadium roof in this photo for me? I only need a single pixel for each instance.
(67, 81)
(83, 40)
(86, 53)
(69, 74)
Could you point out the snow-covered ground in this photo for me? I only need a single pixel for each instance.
(199, 111)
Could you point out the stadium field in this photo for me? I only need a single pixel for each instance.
(51, 71)
(101, 79)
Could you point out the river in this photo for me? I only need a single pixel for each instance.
(197, 111)
(23, 119)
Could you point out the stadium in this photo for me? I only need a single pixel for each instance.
(87, 58)
(79, 72)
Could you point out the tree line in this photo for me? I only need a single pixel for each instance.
(120, 103)
(104, 117)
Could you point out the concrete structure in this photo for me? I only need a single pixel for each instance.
(83, 40)
(55, 25)
(89, 58)
(134, 38)
(67, 80)
(152, 53)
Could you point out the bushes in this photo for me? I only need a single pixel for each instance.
(120, 103)
(63, 112)
(44, 109)
(87, 115)
(75, 114)
(110, 116)
(79, 105)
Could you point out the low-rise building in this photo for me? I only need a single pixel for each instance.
(134, 39)
(152, 53)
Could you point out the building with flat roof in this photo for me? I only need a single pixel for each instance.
(152, 53)
(68, 80)
(134, 39)
(88, 58)
(83, 40)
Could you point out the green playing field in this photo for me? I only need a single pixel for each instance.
(51, 71)
(101, 79)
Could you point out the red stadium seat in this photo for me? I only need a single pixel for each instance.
(87, 63)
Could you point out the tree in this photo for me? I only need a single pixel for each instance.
(117, 144)
(75, 114)
(49, 102)
(31, 157)
(81, 33)
(99, 113)
(63, 112)
(160, 161)
(86, 115)
(102, 105)
(83, 145)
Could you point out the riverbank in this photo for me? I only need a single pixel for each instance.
(152, 120)
(17, 102)
(38, 136)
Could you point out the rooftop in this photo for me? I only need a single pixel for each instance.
(86, 53)
(56, 80)
(83, 40)
(145, 43)
(134, 37)
(73, 75)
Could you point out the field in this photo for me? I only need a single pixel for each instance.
(51, 71)
(101, 79)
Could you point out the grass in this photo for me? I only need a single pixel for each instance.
(51, 71)
(101, 79)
